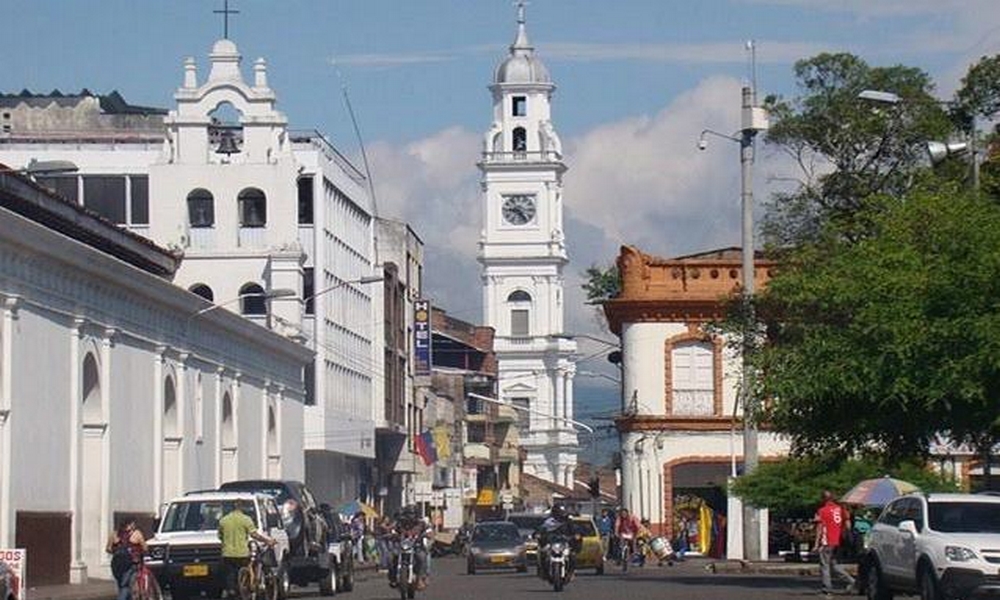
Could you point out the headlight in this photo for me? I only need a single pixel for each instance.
(558, 547)
(157, 552)
(959, 554)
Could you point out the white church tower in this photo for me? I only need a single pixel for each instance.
(523, 252)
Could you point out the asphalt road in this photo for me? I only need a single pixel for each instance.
(688, 580)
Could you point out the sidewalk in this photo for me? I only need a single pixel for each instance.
(104, 589)
(773, 567)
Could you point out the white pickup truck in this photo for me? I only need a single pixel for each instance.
(185, 552)
(941, 546)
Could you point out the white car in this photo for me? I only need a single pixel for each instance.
(937, 545)
(185, 552)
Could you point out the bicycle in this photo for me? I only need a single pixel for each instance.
(257, 580)
(626, 549)
(144, 585)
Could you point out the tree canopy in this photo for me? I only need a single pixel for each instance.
(879, 344)
(848, 149)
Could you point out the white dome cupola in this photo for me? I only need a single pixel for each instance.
(522, 66)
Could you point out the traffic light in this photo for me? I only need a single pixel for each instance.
(595, 487)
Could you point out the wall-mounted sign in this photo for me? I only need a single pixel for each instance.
(12, 567)
(422, 337)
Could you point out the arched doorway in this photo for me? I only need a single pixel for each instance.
(228, 468)
(92, 451)
(172, 440)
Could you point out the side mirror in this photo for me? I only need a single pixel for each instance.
(908, 526)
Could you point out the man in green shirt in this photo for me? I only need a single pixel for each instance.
(235, 531)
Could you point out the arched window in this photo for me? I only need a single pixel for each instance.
(228, 423)
(520, 313)
(520, 139)
(253, 208)
(171, 421)
(202, 290)
(252, 301)
(92, 409)
(201, 208)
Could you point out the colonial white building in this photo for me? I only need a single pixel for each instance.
(274, 224)
(523, 253)
(115, 393)
(681, 430)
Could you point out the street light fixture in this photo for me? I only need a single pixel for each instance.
(937, 151)
(359, 281)
(268, 295)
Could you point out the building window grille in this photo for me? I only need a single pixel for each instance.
(252, 301)
(253, 208)
(201, 208)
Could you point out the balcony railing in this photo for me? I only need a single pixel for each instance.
(252, 237)
(522, 157)
(202, 238)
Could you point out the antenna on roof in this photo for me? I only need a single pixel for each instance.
(752, 67)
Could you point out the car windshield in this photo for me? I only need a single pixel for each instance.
(499, 532)
(965, 517)
(527, 522)
(584, 528)
(201, 515)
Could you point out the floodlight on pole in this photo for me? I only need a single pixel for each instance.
(359, 281)
(937, 151)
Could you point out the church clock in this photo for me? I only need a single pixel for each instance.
(519, 209)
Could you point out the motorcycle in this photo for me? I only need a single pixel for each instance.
(559, 554)
(406, 569)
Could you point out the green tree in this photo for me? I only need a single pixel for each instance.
(849, 151)
(601, 283)
(878, 344)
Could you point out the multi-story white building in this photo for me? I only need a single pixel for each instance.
(523, 253)
(274, 224)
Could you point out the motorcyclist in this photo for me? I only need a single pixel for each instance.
(558, 525)
(409, 524)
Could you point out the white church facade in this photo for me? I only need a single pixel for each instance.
(523, 254)
(273, 224)
(118, 389)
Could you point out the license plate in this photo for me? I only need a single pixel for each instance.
(333, 549)
(498, 559)
(195, 571)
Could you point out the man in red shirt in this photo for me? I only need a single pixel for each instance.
(830, 521)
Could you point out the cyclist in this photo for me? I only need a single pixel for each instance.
(626, 530)
(126, 547)
(235, 531)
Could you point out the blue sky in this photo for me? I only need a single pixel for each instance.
(637, 81)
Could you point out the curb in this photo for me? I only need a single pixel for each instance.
(769, 568)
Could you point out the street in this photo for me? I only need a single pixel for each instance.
(687, 580)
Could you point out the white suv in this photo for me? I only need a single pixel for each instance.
(938, 545)
(185, 552)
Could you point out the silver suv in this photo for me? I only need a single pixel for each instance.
(938, 545)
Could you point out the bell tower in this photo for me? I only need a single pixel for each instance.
(523, 252)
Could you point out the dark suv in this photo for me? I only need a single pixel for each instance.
(308, 532)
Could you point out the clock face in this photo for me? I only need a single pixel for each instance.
(519, 210)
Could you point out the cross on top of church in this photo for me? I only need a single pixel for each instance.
(520, 4)
(225, 12)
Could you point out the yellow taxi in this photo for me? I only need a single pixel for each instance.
(591, 555)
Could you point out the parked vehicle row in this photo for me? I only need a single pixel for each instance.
(310, 545)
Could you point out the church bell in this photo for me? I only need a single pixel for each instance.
(227, 144)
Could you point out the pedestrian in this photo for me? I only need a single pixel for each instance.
(383, 530)
(605, 526)
(358, 536)
(830, 521)
(126, 546)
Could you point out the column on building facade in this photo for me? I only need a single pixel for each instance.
(7, 331)
(78, 569)
(217, 428)
(158, 361)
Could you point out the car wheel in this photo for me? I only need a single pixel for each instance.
(600, 568)
(929, 589)
(328, 584)
(875, 586)
(347, 583)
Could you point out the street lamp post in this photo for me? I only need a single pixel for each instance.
(754, 120)
(268, 295)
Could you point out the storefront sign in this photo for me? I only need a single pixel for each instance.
(12, 565)
(422, 337)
